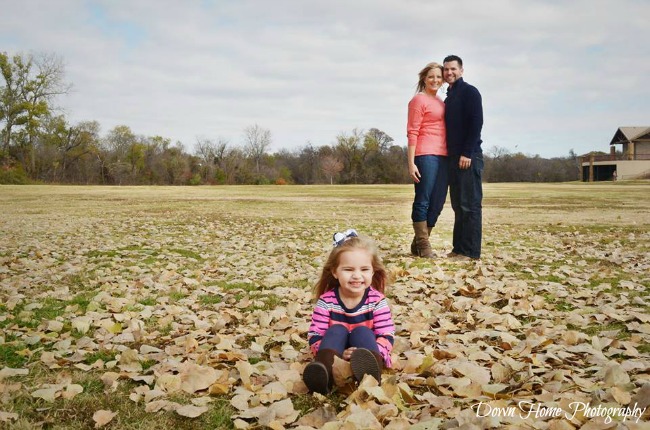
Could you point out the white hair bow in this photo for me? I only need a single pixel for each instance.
(340, 238)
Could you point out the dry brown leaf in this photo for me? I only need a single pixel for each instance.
(476, 373)
(71, 390)
(7, 416)
(281, 412)
(47, 394)
(110, 380)
(245, 371)
(169, 382)
(621, 396)
(240, 401)
(615, 376)
(318, 417)
(103, 417)
(443, 355)
(342, 372)
(157, 405)
(273, 392)
(218, 389)
(195, 378)
(191, 411)
(360, 418)
(642, 397)
(8, 372)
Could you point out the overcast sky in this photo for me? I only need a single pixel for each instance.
(554, 75)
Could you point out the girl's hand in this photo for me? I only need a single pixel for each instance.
(414, 173)
(348, 353)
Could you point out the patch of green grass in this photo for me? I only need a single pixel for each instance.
(210, 299)
(77, 413)
(166, 330)
(254, 360)
(176, 296)
(420, 263)
(10, 354)
(551, 278)
(148, 301)
(228, 286)
(272, 301)
(92, 385)
(76, 281)
(614, 282)
(146, 364)
(644, 348)
(564, 306)
(305, 403)
(593, 330)
(187, 254)
(49, 310)
(103, 355)
(149, 260)
(560, 304)
(219, 416)
(97, 253)
(82, 300)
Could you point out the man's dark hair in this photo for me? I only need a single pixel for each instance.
(449, 58)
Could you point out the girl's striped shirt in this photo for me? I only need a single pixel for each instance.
(372, 312)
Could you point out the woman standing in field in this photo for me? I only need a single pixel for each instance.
(427, 157)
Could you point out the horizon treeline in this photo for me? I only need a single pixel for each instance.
(37, 145)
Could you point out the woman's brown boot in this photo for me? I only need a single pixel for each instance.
(423, 246)
(414, 246)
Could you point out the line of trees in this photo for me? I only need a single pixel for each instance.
(39, 144)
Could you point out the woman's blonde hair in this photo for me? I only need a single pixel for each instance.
(424, 72)
(327, 280)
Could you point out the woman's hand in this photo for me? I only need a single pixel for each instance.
(414, 173)
(348, 353)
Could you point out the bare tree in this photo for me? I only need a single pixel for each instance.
(331, 167)
(211, 154)
(256, 141)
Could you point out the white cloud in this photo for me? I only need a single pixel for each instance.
(553, 75)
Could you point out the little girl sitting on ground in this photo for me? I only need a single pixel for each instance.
(351, 319)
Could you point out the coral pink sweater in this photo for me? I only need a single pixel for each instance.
(426, 125)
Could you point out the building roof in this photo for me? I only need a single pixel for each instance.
(628, 134)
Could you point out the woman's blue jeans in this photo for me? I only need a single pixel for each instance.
(431, 191)
(339, 339)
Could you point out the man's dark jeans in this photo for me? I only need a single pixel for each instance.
(466, 194)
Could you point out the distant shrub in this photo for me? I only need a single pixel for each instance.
(280, 181)
(195, 179)
(220, 177)
(13, 175)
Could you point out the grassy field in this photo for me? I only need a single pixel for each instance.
(187, 307)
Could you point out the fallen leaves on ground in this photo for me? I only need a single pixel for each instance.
(218, 305)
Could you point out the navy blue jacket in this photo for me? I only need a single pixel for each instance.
(463, 119)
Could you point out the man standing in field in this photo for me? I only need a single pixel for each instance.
(464, 121)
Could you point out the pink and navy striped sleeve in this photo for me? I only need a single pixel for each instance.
(383, 325)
